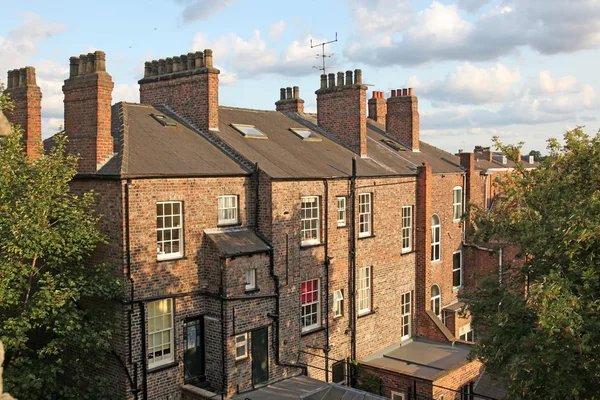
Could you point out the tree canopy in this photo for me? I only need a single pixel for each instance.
(539, 327)
(54, 320)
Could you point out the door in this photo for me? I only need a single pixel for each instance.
(193, 353)
(260, 356)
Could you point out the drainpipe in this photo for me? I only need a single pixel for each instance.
(144, 366)
(326, 263)
(352, 267)
(256, 193)
(223, 333)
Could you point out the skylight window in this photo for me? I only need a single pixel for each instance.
(164, 120)
(249, 131)
(306, 134)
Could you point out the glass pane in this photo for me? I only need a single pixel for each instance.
(176, 208)
(167, 209)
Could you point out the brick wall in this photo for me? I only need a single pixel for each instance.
(402, 120)
(377, 108)
(450, 382)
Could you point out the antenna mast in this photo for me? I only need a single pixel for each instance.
(323, 55)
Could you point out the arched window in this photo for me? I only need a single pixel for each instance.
(436, 300)
(436, 233)
(457, 203)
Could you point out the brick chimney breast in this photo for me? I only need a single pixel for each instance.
(88, 97)
(290, 101)
(27, 113)
(378, 107)
(402, 119)
(342, 109)
(189, 84)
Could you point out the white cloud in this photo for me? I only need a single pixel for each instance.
(276, 30)
(202, 9)
(441, 33)
(380, 17)
(126, 92)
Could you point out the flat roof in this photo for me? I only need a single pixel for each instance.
(288, 389)
(420, 357)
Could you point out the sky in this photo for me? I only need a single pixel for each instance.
(523, 70)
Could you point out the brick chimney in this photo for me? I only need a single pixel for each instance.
(342, 109)
(88, 96)
(484, 153)
(378, 107)
(27, 101)
(290, 101)
(188, 84)
(402, 119)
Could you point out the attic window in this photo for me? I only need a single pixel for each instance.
(306, 134)
(249, 131)
(392, 144)
(163, 119)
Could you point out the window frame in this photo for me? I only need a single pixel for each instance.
(341, 222)
(252, 284)
(397, 395)
(150, 339)
(304, 306)
(436, 299)
(457, 206)
(459, 270)
(406, 312)
(407, 234)
(436, 228)
(368, 214)
(317, 239)
(338, 303)
(230, 221)
(345, 373)
(244, 344)
(367, 290)
(171, 255)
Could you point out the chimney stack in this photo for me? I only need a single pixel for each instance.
(88, 97)
(27, 113)
(342, 111)
(378, 107)
(402, 119)
(290, 101)
(188, 84)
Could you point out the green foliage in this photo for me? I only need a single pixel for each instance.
(365, 380)
(539, 328)
(55, 321)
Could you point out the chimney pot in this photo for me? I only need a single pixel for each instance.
(22, 77)
(154, 67)
(208, 58)
(340, 78)
(411, 92)
(176, 64)
(199, 61)
(162, 66)
(288, 92)
(190, 61)
(331, 80)
(100, 61)
(296, 92)
(348, 77)
(169, 65)
(74, 66)
(147, 69)
(393, 93)
(82, 62)
(282, 94)
(323, 81)
(183, 62)
(89, 66)
(358, 76)
(405, 92)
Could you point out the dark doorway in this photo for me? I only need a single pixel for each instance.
(193, 351)
(260, 356)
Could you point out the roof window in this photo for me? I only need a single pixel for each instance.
(306, 134)
(393, 145)
(249, 131)
(164, 120)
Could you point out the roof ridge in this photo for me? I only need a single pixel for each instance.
(247, 109)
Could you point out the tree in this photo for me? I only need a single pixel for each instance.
(55, 321)
(539, 328)
(537, 156)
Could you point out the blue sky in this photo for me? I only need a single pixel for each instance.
(524, 70)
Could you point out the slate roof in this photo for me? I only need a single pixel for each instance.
(484, 164)
(235, 242)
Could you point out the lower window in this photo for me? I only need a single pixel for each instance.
(338, 373)
(160, 332)
(364, 290)
(338, 303)
(397, 396)
(406, 315)
(241, 346)
(310, 315)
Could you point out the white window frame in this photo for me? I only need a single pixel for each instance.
(310, 308)
(459, 269)
(464, 332)
(338, 303)
(241, 341)
(457, 206)
(172, 230)
(250, 277)
(406, 315)
(365, 284)
(365, 215)
(160, 332)
(341, 211)
(436, 301)
(407, 226)
(227, 203)
(397, 396)
(436, 232)
(310, 235)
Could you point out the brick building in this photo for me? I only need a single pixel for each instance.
(259, 245)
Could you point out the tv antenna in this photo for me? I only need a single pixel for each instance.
(323, 55)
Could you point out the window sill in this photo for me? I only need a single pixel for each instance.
(237, 360)
(310, 245)
(366, 314)
(250, 291)
(436, 261)
(405, 252)
(162, 367)
(342, 226)
(229, 224)
(167, 259)
(315, 330)
(366, 237)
